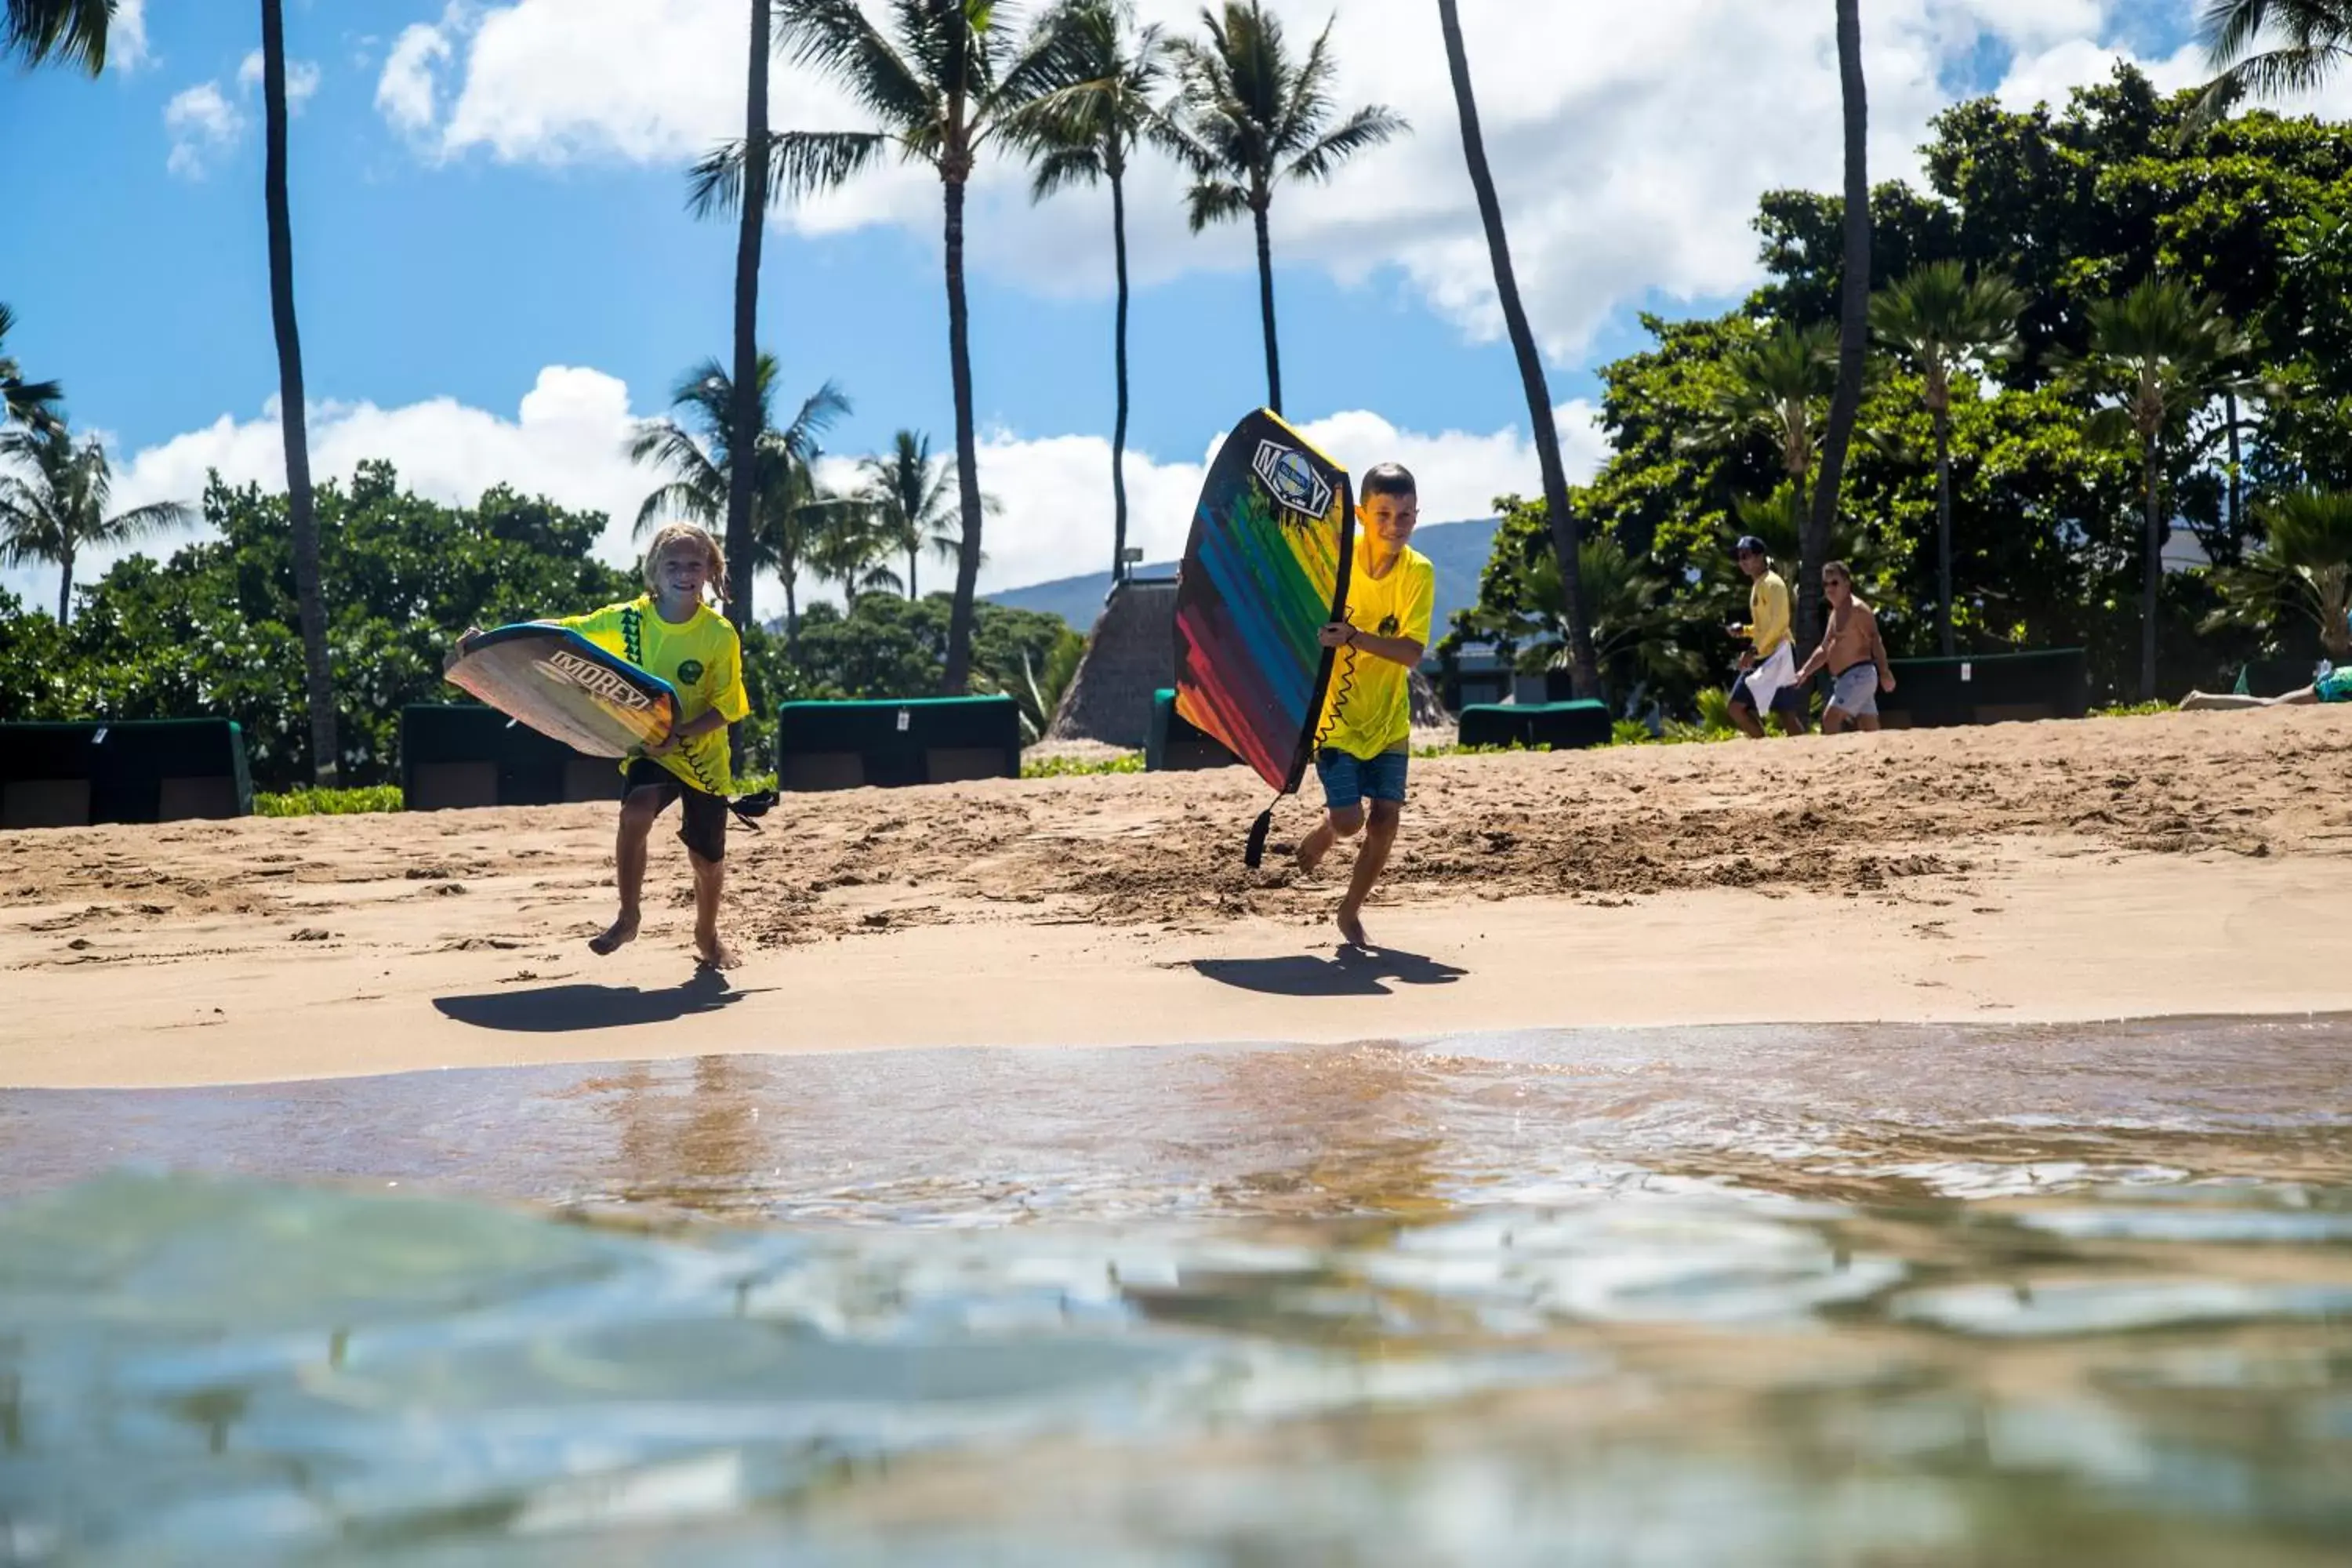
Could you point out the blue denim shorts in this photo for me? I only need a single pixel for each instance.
(1348, 781)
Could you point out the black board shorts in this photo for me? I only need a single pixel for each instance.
(704, 829)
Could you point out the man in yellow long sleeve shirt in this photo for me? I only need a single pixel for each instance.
(1768, 670)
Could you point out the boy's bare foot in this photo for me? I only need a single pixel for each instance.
(1352, 927)
(715, 953)
(1311, 851)
(620, 932)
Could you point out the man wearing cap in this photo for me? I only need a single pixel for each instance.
(1767, 668)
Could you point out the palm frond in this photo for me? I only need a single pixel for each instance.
(71, 32)
(2315, 37)
(1215, 201)
(665, 443)
(1052, 56)
(1063, 167)
(143, 521)
(817, 412)
(1371, 126)
(1305, 97)
(801, 163)
(836, 37)
(2283, 73)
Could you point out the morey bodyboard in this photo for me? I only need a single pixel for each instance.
(1264, 570)
(563, 686)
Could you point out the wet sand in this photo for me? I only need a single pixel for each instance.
(2021, 873)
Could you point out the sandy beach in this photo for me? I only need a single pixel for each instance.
(2098, 869)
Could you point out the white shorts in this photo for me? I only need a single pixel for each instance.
(1855, 693)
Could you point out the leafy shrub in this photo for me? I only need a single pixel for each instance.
(327, 802)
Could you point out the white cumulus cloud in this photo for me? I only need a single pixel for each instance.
(566, 439)
(1629, 143)
(126, 37)
(303, 79)
(405, 92)
(206, 124)
(203, 124)
(2048, 77)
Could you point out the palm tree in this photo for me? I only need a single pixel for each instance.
(2304, 562)
(1583, 660)
(1853, 323)
(745, 419)
(849, 547)
(907, 493)
(53, 505)
(1778, 382)
(699, 457)
(73, 32)
(2170, 348)
(310, 593)
(1940, 321)
(22, 401)
(1247, 118)
(1779, 519)
(2315, 37)
(1635, 628)
(1089, 133)
(946, 80)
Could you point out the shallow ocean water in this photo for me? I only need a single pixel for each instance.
(1805, 1296)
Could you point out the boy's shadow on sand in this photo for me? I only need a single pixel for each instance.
(1354, 971)
(560, 1009)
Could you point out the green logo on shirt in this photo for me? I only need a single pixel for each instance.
(690, 672)
(1387, 626)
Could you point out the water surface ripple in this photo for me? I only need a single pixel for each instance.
(1803, 1296)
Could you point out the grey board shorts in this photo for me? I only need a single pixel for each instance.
(1855, 693)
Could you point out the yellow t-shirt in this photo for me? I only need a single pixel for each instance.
(1367, 708)
(1768, 614)
(701, 656)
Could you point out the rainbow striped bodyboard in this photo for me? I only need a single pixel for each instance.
(1265, 568)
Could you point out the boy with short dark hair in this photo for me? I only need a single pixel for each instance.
(1364, 740)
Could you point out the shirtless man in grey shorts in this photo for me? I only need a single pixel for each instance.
(1852, 653)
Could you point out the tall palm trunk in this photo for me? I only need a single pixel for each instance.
(1853, 324)
(2237, 473)
(65, 585)
(912, 592)
(1584, 667)
(1265, 306)
(1944, 533)
(2153, 552)
(792, 610)
(1118, 424)
(308, 593)
(960, 618)
(743, 435)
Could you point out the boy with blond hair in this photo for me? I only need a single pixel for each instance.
(671, 631)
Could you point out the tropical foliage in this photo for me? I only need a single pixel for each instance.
(790, 512)
(73, 32)
(906, 494)
(2191, 277)
(21, 401)
(2301, 571)
(1940, 322)
(54, 503)
(1090, 131)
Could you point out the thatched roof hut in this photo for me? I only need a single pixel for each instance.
(1130, 654)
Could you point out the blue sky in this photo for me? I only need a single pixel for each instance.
(522, 209)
